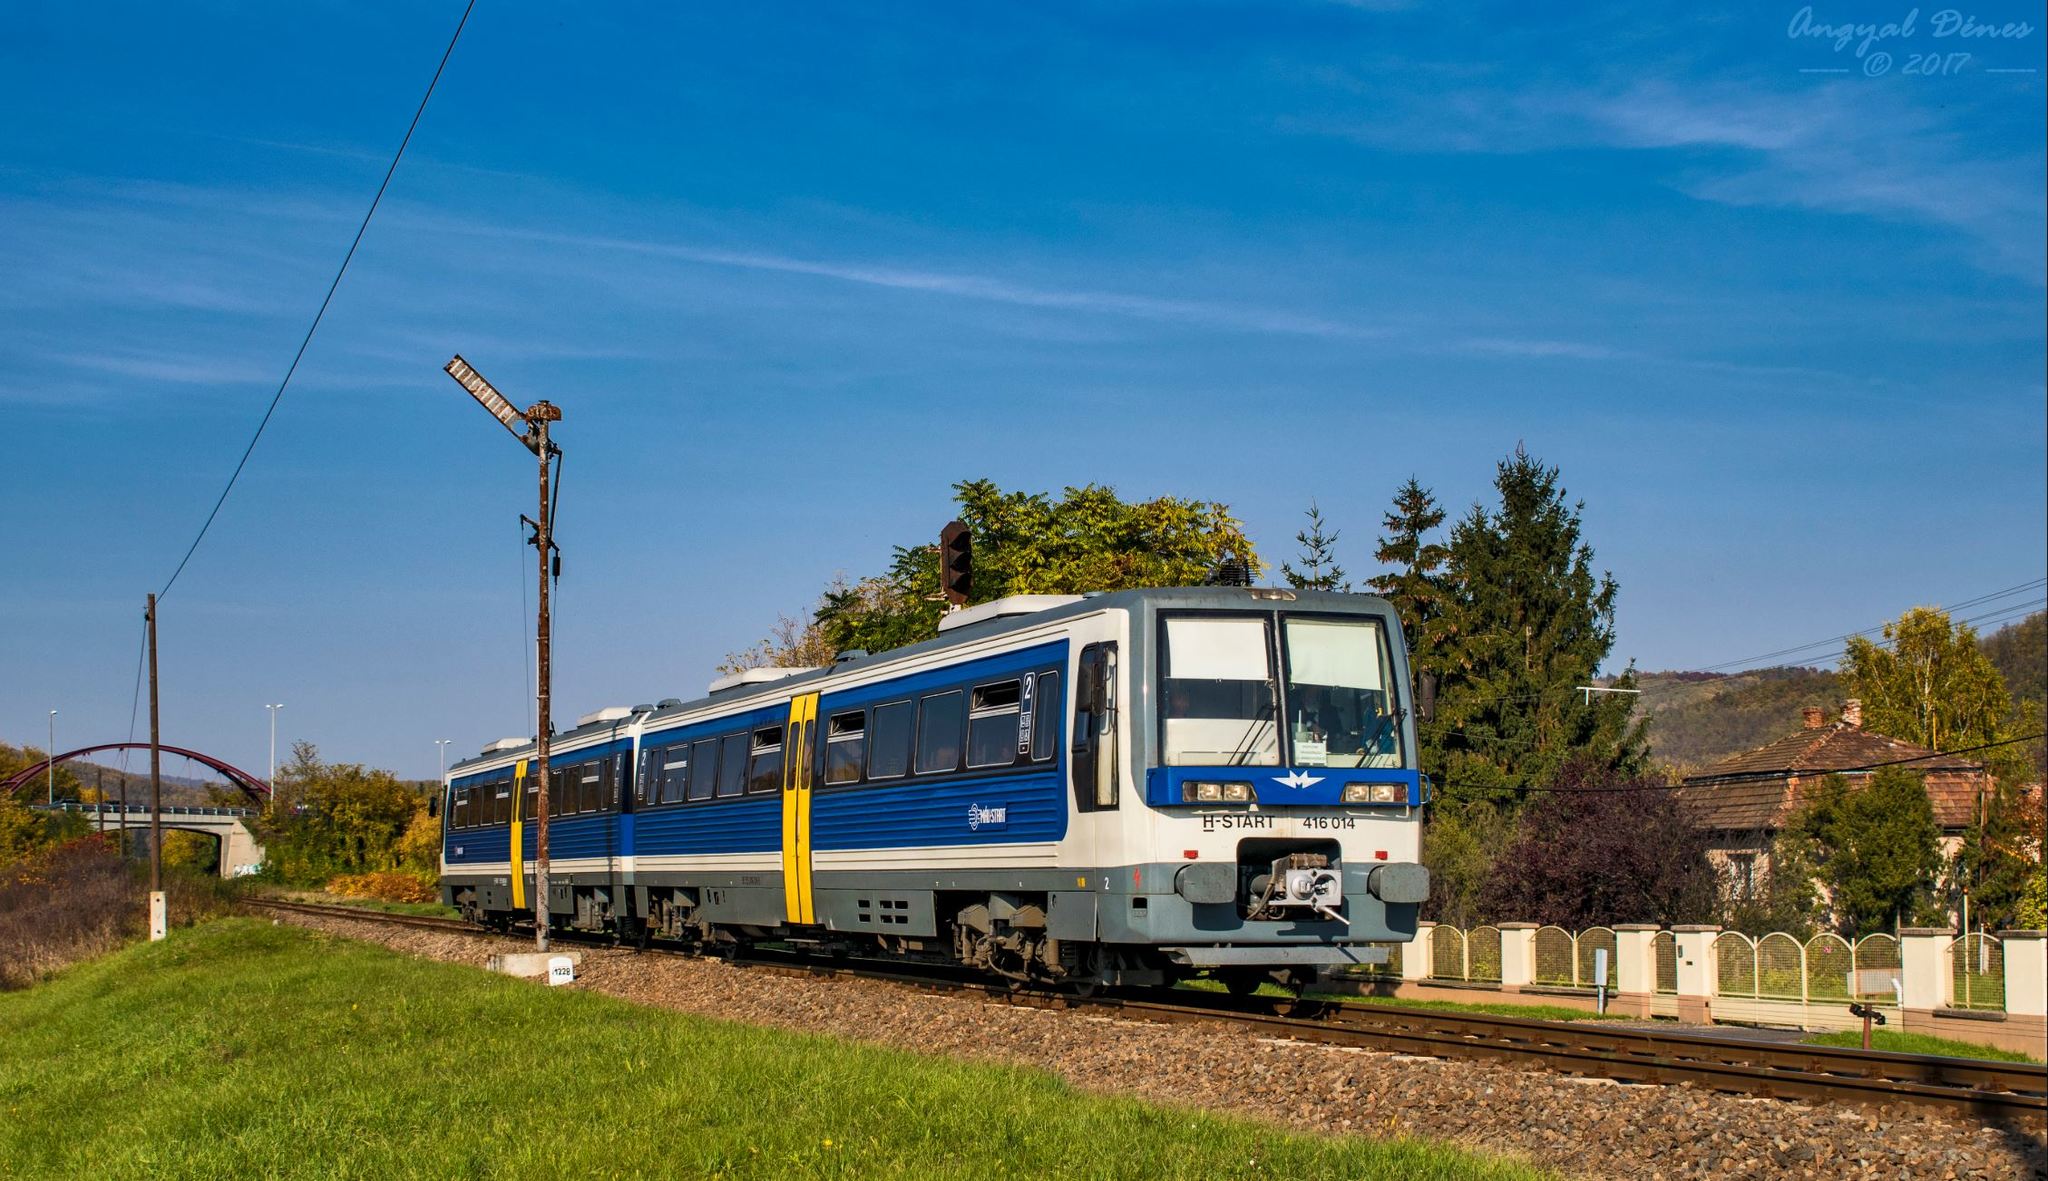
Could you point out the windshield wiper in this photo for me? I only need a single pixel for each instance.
(1242, 748)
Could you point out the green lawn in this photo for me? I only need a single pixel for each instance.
(241, 1048)
(1916, 1043)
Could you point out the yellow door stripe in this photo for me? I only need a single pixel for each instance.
(796, 809)
(516, 856)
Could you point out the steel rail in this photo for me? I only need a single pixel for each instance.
(1988, 1090)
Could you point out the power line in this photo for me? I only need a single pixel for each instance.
(1844, 638)
(324, 302)
(1760, 775)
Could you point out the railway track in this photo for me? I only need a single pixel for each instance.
(2007, 1093)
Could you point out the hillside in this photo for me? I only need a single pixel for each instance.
(1698, 718)
(2020, 653)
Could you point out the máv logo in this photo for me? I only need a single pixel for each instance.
(1297, 780)
(979, 815)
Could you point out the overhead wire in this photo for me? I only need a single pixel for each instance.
(325, 301)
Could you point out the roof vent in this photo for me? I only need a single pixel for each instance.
(755, 676)
(506, 744)
(643, 709)
(1004, 608)
(850, 654)
(668, 703)
(610, 713)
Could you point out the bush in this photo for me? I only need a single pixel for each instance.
(385, 886)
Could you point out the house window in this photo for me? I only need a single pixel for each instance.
(1742, 867)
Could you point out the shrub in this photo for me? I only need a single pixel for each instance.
(385, 886)
(67, 903)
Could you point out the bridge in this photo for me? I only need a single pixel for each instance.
(253, 789)
(239, 852)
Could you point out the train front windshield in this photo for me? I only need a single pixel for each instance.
(1218, 689)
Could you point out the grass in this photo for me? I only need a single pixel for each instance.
(1534, 1012)
(243, 1048)
(426, 909)
(1917, 1043)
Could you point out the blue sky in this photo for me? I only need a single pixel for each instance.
(792, 270)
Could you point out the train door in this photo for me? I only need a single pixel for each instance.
(797, 738)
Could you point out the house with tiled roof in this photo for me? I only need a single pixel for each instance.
(1743, 800)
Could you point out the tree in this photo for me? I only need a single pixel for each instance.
(1784, 897)
(334, 818)
(1028, 543)
(1928, 683)
(1412, 582)
(791, 643)
(1460, 845)
(1319, 568)
(1523, 623)
(1604, 847)
(1875, 848)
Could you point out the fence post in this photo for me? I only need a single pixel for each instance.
(1699, 972)
(1635, 968)
(2026, 980)
(1925, 973)
(1418, 955)
(1517, 956)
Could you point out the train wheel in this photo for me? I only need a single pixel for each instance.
(1242, 981)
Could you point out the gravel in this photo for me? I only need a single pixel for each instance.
(1580, 1127)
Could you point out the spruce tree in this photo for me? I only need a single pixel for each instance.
(1319, 568)
(1525, 623)
(1412, 582)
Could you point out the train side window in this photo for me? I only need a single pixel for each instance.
(501, 803)
(1093, 761)
(889, 743)
(764, 769)
(674, 773)
(458, 809)
(938, 732)
(590, 796)
(846, 746)
(1045, 719)
(993, 724)
(529, 805)
(703, 768)
(732, 764)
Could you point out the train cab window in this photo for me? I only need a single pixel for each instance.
(732, 764)
(938, 732)
(846, 746)
(764, 768)
(993, 724)
(1045, 719)
(672, 774)
(889, 744)
(703, 767)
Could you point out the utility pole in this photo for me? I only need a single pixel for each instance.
(158, 919)
(534, 419)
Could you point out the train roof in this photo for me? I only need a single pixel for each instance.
(1144, 599)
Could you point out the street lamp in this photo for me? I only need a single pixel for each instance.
(443, 744)
(530, 427)
(272, 781)
(50, 777)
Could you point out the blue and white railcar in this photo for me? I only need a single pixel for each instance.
(1131, 787)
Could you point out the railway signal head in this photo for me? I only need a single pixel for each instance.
(956, 563)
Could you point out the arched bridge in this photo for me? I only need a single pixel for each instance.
(257, 791)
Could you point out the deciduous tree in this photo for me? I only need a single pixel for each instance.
(1603, 847)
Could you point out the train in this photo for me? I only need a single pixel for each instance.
(1130, 788)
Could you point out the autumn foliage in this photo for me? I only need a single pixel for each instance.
(385, 886)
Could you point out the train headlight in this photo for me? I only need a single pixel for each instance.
(1375, 793)
(1207, 792)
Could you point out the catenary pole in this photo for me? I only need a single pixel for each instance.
(157, 917)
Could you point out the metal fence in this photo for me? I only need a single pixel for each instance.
(1977, 962)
